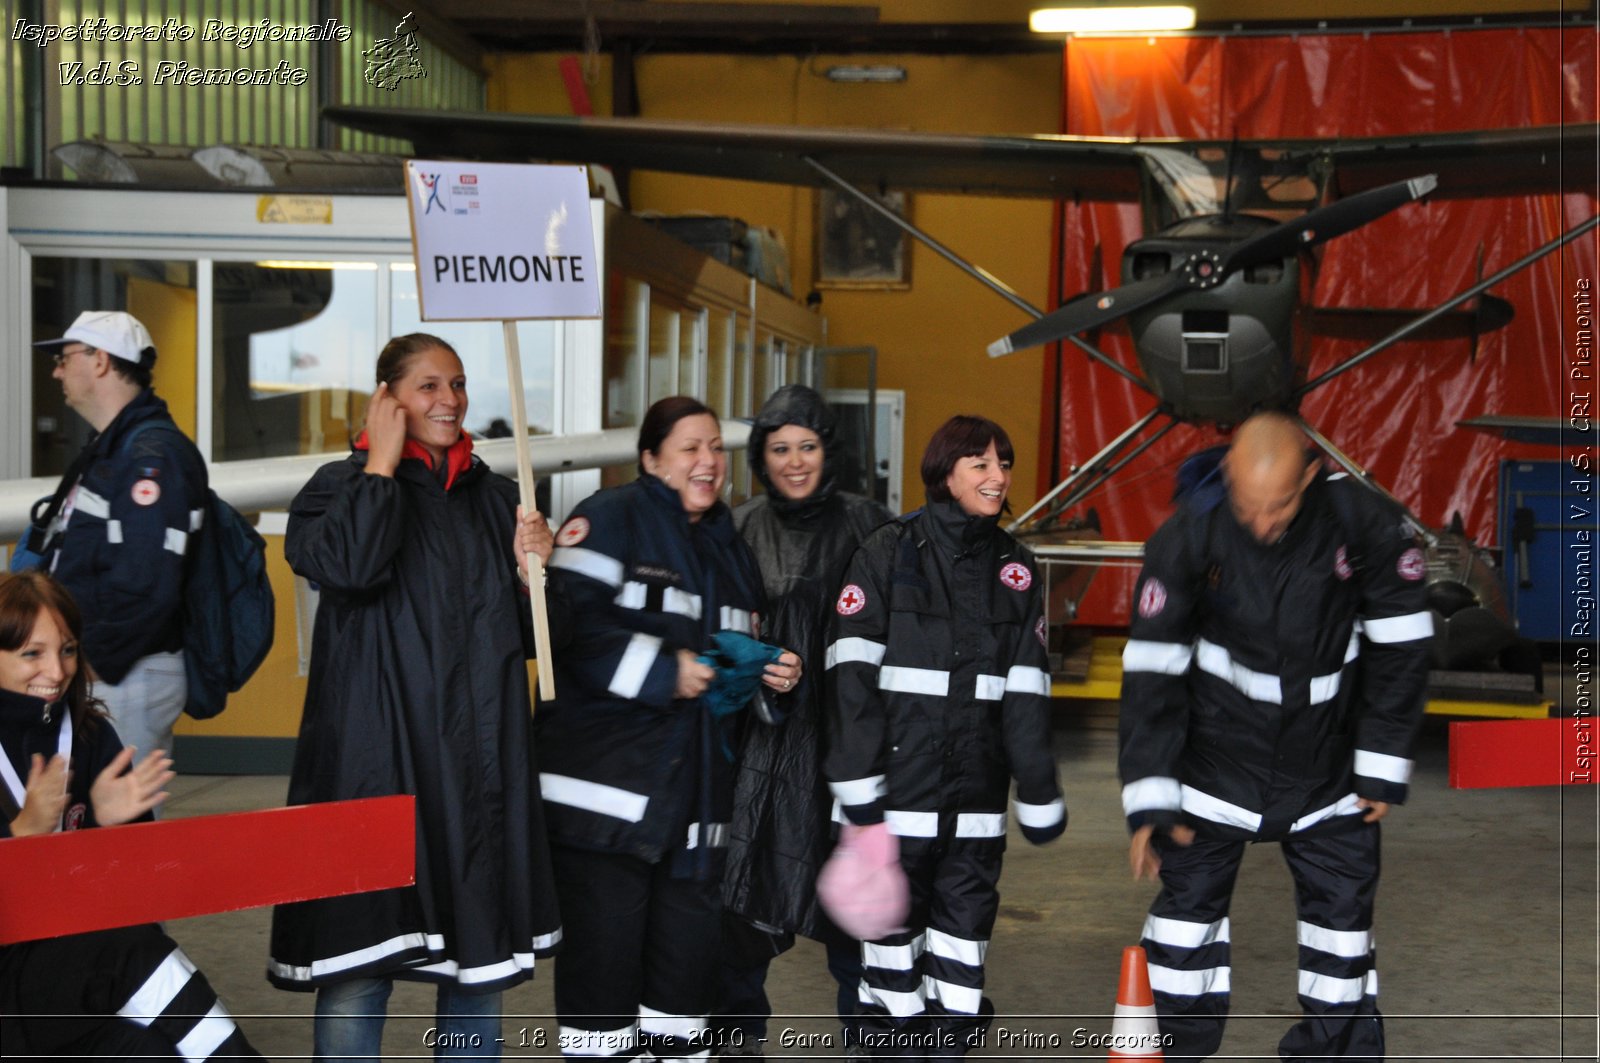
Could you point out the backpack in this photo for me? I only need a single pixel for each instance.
(228, 609)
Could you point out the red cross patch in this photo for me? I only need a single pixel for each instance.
(146, 492)
(1411, 565)
(573, 532)
(1043, 632)
(1341, 564)
(1152, 599)
(851, 600)
(1016, 576)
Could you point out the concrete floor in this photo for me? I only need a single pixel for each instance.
(1486, 921)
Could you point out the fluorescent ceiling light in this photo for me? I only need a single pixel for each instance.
(286, 263)
(1104, 19)
(866, 73)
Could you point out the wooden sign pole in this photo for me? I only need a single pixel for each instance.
(519, 432)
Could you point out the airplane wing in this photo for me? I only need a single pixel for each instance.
(1038, 166)
(1545, 431)
(1469, 164)
(1473, 164)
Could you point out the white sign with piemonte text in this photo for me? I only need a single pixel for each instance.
(502, 241)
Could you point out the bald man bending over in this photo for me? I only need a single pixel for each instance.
(1272, 688)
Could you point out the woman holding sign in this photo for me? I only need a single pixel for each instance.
(636, 752)
(419, 686)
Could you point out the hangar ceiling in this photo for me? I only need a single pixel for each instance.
(909, 26)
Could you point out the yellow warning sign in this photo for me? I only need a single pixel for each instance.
(294, 210)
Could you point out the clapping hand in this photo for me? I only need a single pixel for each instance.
(121, 793)
(45, 798)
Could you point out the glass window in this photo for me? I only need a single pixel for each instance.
(719, 359)
(626, 300)
(666, 339)
(764, 376)
(482, 347)
(160, 293)
(291, 343)
(624, 369)
(692, 357)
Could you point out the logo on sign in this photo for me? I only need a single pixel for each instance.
(430, 181)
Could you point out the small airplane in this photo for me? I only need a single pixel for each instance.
(1216, 294)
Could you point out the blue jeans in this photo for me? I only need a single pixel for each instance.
(350, 1017)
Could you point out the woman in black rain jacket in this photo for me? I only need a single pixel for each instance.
(419, 686)
(802, 531)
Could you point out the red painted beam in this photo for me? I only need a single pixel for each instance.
(69, 883)
(1494, 753)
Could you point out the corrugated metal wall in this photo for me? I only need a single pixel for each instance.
(450, 85)
(281, 114)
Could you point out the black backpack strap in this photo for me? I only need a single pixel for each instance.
(1342, 499)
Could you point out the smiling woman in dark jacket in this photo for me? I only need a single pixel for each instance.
(939, 696)
(106, 994)
(635, 760)
(803, 531)
(419, 686)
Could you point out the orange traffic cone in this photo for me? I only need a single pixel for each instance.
(1134, 1032)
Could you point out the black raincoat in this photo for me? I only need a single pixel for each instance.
(419, 686)
(781, 834)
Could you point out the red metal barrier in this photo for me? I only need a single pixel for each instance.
(1489, 753)
(69, 883)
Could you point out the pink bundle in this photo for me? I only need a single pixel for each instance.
(862, 887)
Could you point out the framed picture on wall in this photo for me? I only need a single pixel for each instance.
(859, 248)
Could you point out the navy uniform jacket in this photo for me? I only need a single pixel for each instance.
(624, 765)
(938, 682)
(121, 552)
(1266, 688)
(26, 728)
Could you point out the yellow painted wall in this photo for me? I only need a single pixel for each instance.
(931, 339)
(170, 311)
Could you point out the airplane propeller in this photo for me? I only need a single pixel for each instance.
(1208, 268)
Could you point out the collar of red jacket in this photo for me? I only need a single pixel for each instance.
(456, 459)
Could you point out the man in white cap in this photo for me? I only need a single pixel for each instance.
(116, 531)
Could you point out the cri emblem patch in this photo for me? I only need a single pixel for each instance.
(1152, 598)
(146, 492)
(851, 600)
(573, 532)
(1411, 566)
(1341, 564)
(1043, 632)
(1016, 576)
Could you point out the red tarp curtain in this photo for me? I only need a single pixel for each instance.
(1396, 413)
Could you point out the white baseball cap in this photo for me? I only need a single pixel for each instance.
(113, 331)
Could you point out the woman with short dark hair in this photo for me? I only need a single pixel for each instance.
(635, 753)
(940, 694)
